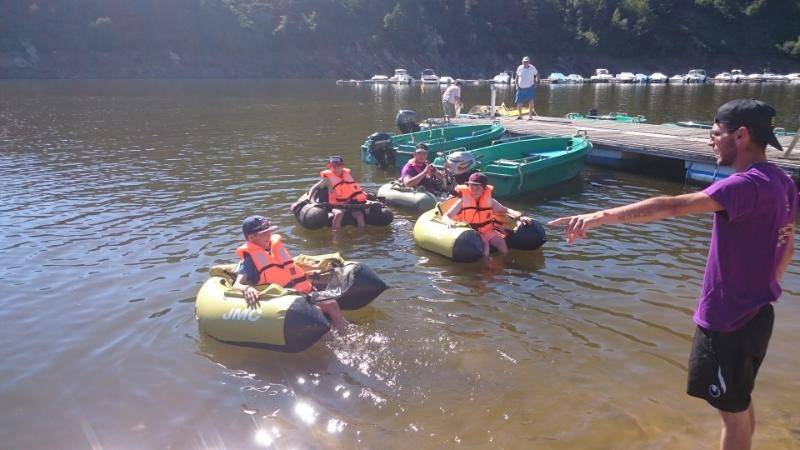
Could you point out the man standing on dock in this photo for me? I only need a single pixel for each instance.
(525, 82)
(451, 100)
(752, 241)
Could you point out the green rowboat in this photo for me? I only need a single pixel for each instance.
(523, 165)
(440, 139)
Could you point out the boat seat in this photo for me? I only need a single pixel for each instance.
(517, 161)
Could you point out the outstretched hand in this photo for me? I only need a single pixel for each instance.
(577, 226)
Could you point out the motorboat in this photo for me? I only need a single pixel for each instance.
(658, 77)
(504, 77)
(754, 78)
(625, 77)
(640, 78)
(724, 77)
(446, 80)
(428, 76)
(768, 76)
(677, 79)
(696, 76)
(557, 78)
(601, 76)
(737, 75)
(401, 76)
(379, 79)
(793, 77)
(575, 78)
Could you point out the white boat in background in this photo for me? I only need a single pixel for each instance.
(446, 80)
(504, 77)
(696, 76)
(640, 78)
(793, 77)
(601, 76)
(737, 75)
(575, 78)
(428, 76)
(724, 77)
(658, 77)
(401, 76)
(770, 77)
(677, 79)
(379, 79)
(557, 78)
(754, 78)
(625, 77)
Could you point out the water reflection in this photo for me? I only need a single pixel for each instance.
(132, 189)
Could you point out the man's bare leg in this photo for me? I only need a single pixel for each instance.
(737, 429)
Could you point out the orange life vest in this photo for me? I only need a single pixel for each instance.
(275, 265)
(477, 214)
(343, 190)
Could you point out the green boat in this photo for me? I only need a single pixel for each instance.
(440, 139)
(521, 165)
(614, 117)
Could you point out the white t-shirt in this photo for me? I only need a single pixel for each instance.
(451, 93)
(526, 76)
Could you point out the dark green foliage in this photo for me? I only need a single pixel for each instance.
(385, 34)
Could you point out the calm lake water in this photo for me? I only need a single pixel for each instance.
(117, 196)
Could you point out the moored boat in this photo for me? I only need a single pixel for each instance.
(283, 319)
(658, 77)
(523, 165)
(612, 116)
(437, 139)
(463, 244)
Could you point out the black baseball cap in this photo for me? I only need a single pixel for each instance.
(336, 159)
(756, 115)
(257, 224)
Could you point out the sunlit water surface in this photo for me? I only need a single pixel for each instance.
(117, 196)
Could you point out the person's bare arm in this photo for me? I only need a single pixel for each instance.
(250, 293)
(452, 212)
(512, 213)
(645, 211)
(788, 252)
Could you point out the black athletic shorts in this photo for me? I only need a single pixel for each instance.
(723, 366)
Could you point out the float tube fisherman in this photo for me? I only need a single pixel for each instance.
(342, 190)
(264, 260)
(477, 208)
(419, 172)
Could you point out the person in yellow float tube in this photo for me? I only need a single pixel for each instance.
(477, 208)
(264, 260)
(342, 190)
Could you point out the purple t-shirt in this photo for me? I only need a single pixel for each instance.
(411, 170)
(748, 240)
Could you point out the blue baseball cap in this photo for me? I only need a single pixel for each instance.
(257, 224)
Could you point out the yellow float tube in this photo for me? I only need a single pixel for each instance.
(463, 244)
(283, 320)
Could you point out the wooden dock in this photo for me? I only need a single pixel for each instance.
(664, 141)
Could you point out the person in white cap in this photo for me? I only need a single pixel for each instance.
(525, 82)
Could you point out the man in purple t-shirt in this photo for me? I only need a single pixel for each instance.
(419, 172)
(752, 241)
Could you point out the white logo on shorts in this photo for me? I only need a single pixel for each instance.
(714, 390)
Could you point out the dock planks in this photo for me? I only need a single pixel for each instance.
(688, 144)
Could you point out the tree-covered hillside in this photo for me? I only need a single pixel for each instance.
(356, 38)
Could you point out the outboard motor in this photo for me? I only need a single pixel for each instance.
(381, 148)
(407, 121)
(460, 166)
(592, 113)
